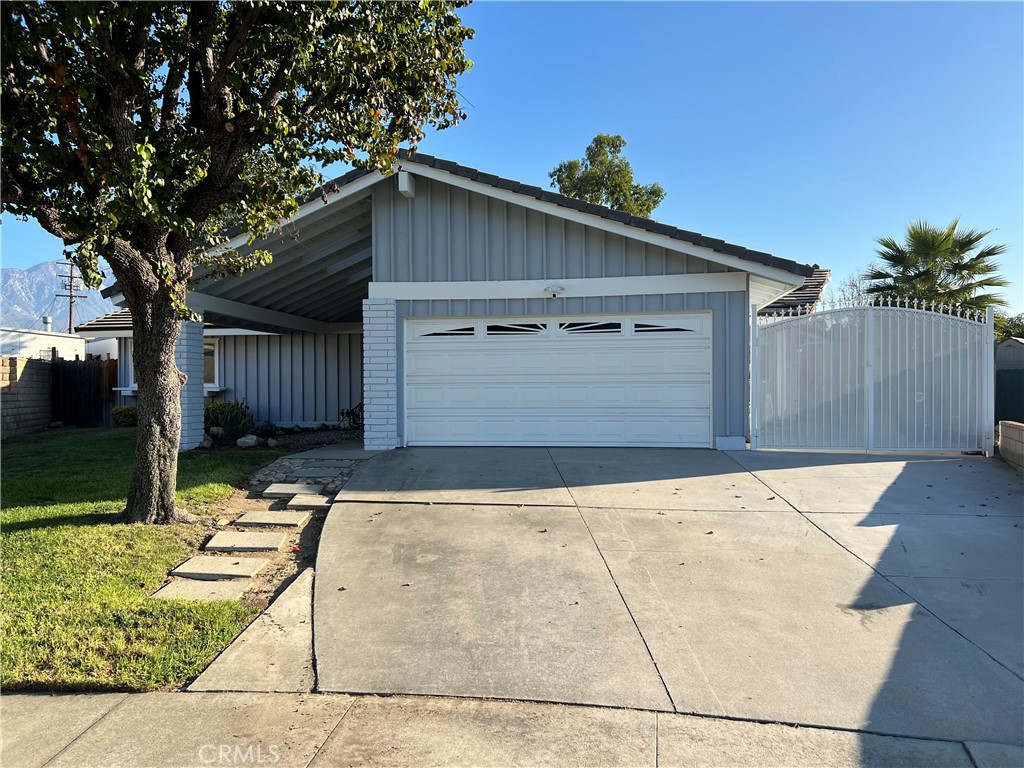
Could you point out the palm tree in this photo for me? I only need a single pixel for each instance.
(942, 265)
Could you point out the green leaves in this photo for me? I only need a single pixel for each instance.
(947, 265)
(139, 132)
(604, 177)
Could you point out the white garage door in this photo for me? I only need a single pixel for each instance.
(641, 380)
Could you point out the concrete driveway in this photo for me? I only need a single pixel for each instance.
(876, 593)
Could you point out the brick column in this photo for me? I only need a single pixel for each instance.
(188, 355)
(380, 375)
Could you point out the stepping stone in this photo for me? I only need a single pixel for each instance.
(210, 568)
(284, 519)
(189, 589)
(284, 490)
(245, 541)
(308, 501)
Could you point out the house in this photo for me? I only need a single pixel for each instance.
(490, 312)
(240, 363)
(40, 344)
(803, 299)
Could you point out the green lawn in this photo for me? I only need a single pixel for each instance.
(74, 607)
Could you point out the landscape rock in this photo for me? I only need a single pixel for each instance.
(271, 442)
(207, 442)
(216, 431)
(56, 424)
(249, 441)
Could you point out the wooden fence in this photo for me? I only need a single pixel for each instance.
(82, 392)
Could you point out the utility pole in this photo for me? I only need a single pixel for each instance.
(69, 284)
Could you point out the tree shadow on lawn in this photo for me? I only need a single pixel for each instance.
(58, 521)
(94, 466)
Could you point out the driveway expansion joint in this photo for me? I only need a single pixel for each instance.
(618, 589)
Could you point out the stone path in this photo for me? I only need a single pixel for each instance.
(283, 495)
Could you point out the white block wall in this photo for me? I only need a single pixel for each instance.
(380, 375)
(188, 355)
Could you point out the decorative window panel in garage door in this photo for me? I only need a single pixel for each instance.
(640, 380)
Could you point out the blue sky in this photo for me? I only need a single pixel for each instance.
(802, 129)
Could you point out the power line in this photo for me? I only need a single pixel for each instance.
(39, 317)
(70, 286)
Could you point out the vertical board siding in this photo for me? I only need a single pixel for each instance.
(305, 378)
(450, 234)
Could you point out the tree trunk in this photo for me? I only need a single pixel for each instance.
(156, 329)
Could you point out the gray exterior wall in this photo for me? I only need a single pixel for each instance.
(295, 378)
(188, 356)
(449, 234)
(446, 233)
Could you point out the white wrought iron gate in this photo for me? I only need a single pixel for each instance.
(873, 376)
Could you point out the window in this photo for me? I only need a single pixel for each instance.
(464, 331)
(590, 327)
(211, 350)
(651, 328)
(516, 329)
(211, 360)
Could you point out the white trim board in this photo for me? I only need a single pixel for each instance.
(709, 282)
(348, 193)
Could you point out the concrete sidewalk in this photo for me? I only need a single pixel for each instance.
(322, 730)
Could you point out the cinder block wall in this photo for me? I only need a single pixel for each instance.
(1011, 443)
(24, 395)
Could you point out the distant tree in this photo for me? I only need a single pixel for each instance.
(137, 132)
(604, 177)
(947, 265)
(1009, 327)
(850, 288)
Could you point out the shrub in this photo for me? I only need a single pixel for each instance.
(125, 416)
(234, 418)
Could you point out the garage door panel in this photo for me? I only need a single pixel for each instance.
(600, 429)
(559, 387)
(620, 396)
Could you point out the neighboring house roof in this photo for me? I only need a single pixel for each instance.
(808, 294)
(118, 322)
(121, 320)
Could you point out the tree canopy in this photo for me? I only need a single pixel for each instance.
(604, 177)
(947, 265)
(1009, 326)
(137, 132)
(124, 122)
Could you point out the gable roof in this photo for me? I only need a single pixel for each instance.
(359, 183)
(649, 225)
(563, 201)
(808, 294)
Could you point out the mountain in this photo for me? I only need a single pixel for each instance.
(28, 294)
